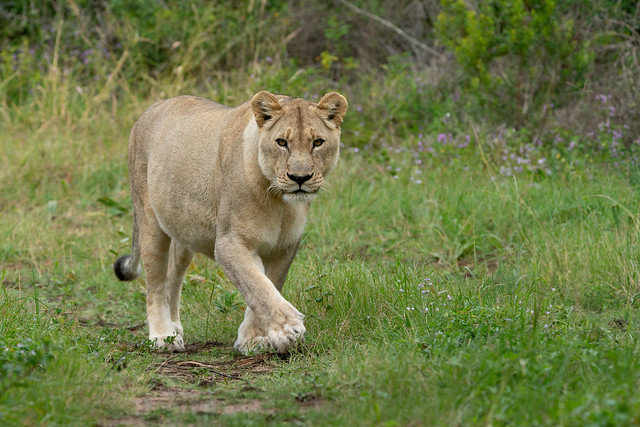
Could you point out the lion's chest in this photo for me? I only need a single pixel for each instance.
(279, 231)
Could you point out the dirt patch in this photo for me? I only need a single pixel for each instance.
(204, 346)
(180, 400)
(190, 400)
(207, 373)
(204, 375)
(250, 406)
(310, 401)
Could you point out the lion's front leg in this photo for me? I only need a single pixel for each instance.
(270, 320)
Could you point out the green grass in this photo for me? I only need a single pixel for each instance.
(526, 314)
(531, 293)
(455, 272)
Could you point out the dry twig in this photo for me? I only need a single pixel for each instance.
(210, 368)
(393, 27)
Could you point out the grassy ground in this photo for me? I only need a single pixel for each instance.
(437, 292)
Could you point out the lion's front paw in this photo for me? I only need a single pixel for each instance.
(251, 335)
(178, 327)
(278, 331)
(286, 330)
(248, 345)
(170, 343)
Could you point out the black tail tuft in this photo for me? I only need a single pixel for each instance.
(123, 269)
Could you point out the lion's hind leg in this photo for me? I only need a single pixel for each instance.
(160, 272)
(179, 260)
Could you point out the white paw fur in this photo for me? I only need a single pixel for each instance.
(170, 343)
(280, 333)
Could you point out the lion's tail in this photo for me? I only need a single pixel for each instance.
(127, 267)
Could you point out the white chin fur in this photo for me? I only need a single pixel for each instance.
(293, 198)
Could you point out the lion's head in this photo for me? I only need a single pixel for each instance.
(299, 142)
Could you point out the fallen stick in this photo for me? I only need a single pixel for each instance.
(209, 367)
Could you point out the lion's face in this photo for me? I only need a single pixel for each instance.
(299, 142)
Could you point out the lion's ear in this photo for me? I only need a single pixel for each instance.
(264, 105)
(333, 107)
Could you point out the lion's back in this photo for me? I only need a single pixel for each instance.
(173, 163)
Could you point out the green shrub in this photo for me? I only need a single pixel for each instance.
(21, 359)
(516, 57)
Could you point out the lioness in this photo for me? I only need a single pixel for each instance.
(234, 184)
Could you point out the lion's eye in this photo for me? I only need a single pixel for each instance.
(281, 142)
(318, 142)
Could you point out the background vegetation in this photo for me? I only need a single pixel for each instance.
(476, 260)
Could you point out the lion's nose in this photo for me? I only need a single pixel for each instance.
(299, 179)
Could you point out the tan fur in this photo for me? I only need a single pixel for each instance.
(216, 180)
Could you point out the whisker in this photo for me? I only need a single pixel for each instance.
(274, 191)
(324, 187)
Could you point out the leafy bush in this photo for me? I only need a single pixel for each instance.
(19, 360)
(133, 42)
(515, 57)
